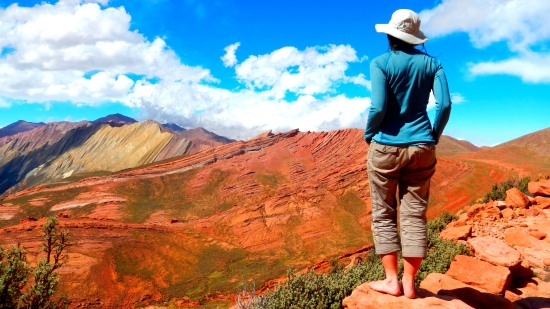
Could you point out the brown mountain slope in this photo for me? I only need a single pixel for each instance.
(449, 146)
(213, 221)
(59, 150)
(528, 155)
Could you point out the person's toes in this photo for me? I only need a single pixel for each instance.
(386, 287)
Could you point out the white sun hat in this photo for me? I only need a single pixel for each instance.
(404, 25)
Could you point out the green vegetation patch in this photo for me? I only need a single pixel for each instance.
(498, 190)
(352, 203)
(145, 196)
(180, 265)
(313, 290)
(48, 200)
(170, 193)
(350, 232)
(271, 181)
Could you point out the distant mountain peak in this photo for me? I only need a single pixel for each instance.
(18, 127)
(174, 127)
(115, 118)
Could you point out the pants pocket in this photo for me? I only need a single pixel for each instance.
(384, 156)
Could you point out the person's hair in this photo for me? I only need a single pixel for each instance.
(397, 44)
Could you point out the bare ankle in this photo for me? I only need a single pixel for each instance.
(408, 287)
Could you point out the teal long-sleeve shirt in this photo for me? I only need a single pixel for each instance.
(401, 86)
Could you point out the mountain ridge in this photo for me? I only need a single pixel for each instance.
(218, 219)
(58, 150)
(18, 127)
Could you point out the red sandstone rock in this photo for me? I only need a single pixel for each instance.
(456, 233)
(27, 220)
(508, 214)
(363, 297)
(546, 262)
(542, 202)
(481, 274)
(494, 251)
(441, 284)
(511, 296)
(537, 234)
(539, 188)
(531, 248)
(542, 273)
(534, 292)
(532, 212)
(491, 212)
(516, 198)
(519, 237)
(474, 210)
(462, 219)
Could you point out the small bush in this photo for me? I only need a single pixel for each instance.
(313, 290)
(498, 190)
(15, 270)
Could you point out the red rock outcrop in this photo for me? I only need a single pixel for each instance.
(494, 251)
(509, 251)
(480, 274)
(540, 188)
(516, 198)
(363, 297)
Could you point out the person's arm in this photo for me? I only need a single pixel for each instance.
(377, 109)
(443, 104)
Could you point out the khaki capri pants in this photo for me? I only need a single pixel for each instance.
(402, 172)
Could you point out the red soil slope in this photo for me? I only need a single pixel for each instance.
(203, 225)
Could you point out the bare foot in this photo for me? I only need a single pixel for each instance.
(386, 286)
(408, 287)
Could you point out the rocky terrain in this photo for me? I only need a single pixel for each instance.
(56, 151)
(198, 227)
(509, 266)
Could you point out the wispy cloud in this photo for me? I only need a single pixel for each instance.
(521, 24)
(230, 59)
(4, 103)
(530, 67)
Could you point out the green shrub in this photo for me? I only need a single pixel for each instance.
(498, 190)
(312, 290)
(15, 270)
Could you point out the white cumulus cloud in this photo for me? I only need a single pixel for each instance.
(310, 76)
(315, 70)
(84, 52)
(230, 59)
(81, 52)
(521, 24)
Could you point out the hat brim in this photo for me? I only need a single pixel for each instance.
(414, 39)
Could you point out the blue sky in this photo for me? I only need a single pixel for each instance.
(241, 67)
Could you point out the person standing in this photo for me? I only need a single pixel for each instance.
(401, 157)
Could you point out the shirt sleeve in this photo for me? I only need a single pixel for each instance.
(377, 109)
(443, 104)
